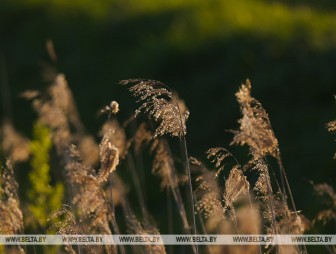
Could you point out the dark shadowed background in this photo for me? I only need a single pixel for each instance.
(203, 50)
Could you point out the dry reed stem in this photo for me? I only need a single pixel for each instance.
(265, 194)
(163, 166)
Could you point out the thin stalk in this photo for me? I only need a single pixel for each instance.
(270, 191)
(187, 169)
(200, 218)
(113, 219)
(254, 215)
(190, 185)
(178, 198)
(137, 185)
(170, 219)
(190, 191)
(283, 173)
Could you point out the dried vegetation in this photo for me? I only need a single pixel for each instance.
(97, 177)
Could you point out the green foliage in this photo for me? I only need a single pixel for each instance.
(277, 19)
(43, 198)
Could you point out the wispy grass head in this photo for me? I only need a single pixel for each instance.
(255, 128)
(160, 105)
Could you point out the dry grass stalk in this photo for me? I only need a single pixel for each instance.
(160, 105)
(255, 128)
(278, 219)
(89, 198)
(208, 193)
(210, 205)
(289, 222)
(163, 165)
(265, 195)
(236, 187)
(10, 213)
(256, 131)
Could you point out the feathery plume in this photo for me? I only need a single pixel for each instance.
(255, 128)
(265, 194)
(236, 187)
(209, 196)
(217, 155)
(160, 105)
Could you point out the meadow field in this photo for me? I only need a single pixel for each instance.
(174, 117)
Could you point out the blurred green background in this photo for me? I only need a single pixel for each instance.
(202, 49)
